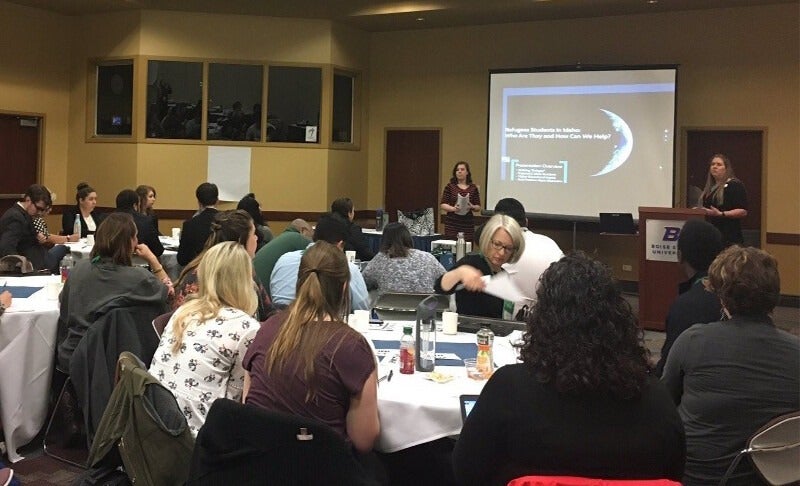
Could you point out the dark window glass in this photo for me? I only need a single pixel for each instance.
(174, 99)
(342, 108)
(114, 99)
(293, 104)
(234, 102)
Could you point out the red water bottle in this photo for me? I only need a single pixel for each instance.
(407, 352)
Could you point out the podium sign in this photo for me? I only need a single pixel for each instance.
(661, 244)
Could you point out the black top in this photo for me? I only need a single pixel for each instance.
(194, 234)
(474, 303)
(68, 219)
(147, 231)
(522, 427)
(734, 197)
(694, 305)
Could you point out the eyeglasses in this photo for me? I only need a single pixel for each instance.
(499, 246)
(41, 209)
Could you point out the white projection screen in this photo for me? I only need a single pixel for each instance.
(578, 142)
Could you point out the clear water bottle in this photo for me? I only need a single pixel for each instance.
(66, 266)
(461, 246)
(76, 226)
(407, 352)
(426, 345)
(484, 361)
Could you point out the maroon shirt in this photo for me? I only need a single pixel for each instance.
(339, 374)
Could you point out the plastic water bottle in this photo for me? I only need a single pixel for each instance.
(66, 266)
(379, 219)
(407, 352)
(461, 246)
(76, 226)
(484, 361)
(426, 344)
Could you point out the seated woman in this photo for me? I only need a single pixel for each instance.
(306, 361)
(107, 280)
(199, 357)
(398, 267)
(729, 378)
(501, 242)
(582, 402)
(147, 199)
(227, 226)
(253, 208)
(86, 197)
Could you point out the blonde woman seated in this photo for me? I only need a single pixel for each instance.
(200, 354)
(306, 361)
(501, 242)
(398, 267)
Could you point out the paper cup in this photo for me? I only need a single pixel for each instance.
(450, 322)
(176, 233)
(53, 289)
(351, 256)
(361, 318)
(90, 240)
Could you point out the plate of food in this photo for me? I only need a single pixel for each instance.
(438, 377)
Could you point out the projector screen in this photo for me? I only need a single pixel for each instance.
(580, 142)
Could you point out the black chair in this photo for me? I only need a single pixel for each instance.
(246, 445)
(402, 306)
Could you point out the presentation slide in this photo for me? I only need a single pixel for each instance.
(582, 142)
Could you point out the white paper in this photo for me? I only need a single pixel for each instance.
(229, 169)
(462, 204)
(500, 285)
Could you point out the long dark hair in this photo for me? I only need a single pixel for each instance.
(113, 238)
(582, 335)
(396, 241)
(233, 225)
(142, 192)
(454, 180)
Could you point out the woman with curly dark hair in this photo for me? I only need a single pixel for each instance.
(582, 402)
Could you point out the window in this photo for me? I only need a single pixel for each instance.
(174, 99)
(342, 108)
(293, 104)
(114, 107)
(234, 101)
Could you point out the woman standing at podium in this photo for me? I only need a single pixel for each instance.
(724, 200)
(459, 199)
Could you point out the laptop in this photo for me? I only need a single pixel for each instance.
(617, 223)
(467, 402)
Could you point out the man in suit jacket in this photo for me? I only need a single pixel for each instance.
(17, 234)
(196, 230)
(147, 232)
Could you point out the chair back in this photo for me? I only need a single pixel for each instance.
(774, 450)
(402, 306)
(246, 445)
(580, 481)
(420, 222)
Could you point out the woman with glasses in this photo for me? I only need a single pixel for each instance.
(501, 242)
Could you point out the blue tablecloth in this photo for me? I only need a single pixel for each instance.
(22, 292)
(462, 350)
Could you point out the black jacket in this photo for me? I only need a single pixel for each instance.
(68, 219)
(147, 232)
(18, 237)
(194, 234)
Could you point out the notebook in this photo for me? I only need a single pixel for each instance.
(467, 402)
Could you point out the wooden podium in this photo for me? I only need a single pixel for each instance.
(659, 280)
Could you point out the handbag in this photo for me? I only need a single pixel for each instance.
(419, 221)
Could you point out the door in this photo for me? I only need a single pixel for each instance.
(412, 170)
(19, 156)
(744, 148)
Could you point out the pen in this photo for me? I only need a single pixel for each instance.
(391, 373)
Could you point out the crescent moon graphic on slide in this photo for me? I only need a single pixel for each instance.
(623, 149)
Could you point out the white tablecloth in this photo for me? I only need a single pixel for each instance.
(414, 410)
(169, 259)
(27, 350)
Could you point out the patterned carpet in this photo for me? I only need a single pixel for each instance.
(45, 471)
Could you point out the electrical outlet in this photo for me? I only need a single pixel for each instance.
(627, 268)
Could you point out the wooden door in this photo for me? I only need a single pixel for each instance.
(19, 156)
(745, 150)
(412, 170)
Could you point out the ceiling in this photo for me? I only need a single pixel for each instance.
(389, 15)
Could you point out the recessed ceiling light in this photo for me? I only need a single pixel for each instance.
(652, 2)
(420, 19)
